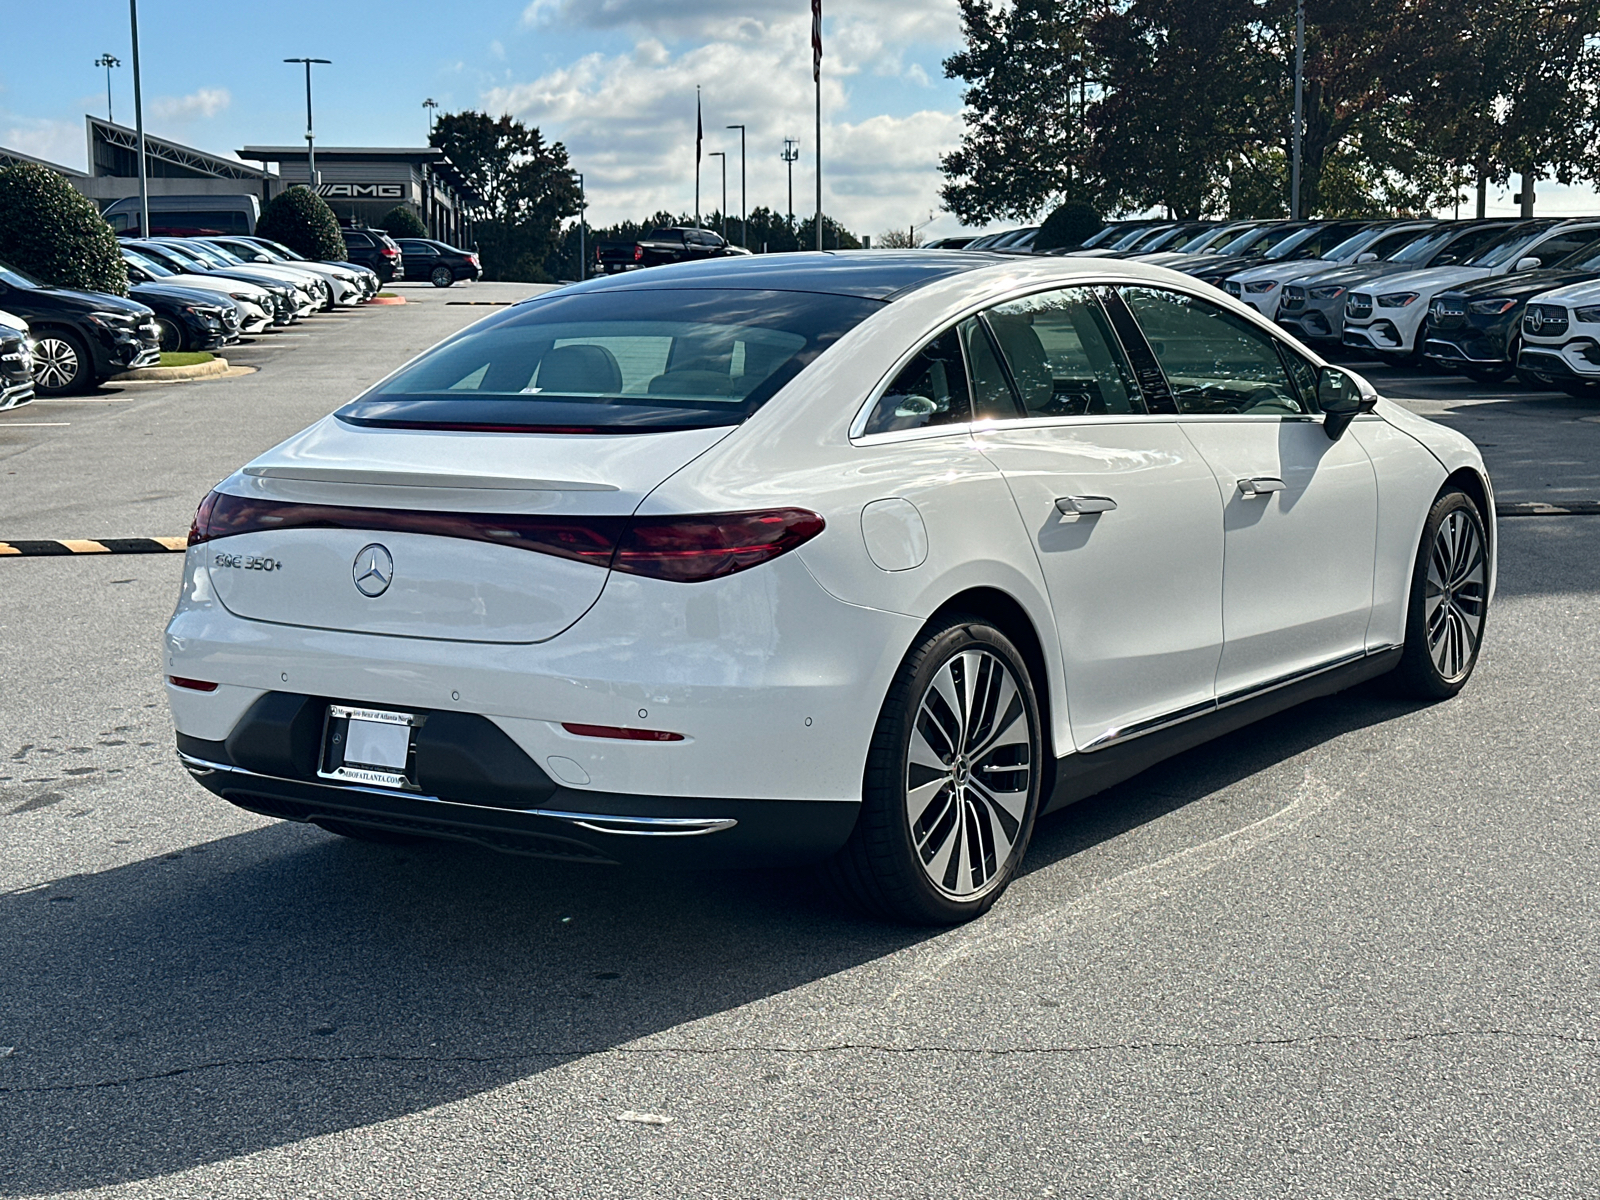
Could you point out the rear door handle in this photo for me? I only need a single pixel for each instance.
(1261, 485)
(1085, 504)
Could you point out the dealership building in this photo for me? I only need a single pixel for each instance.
(360, 184)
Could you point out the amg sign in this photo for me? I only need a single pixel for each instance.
(362, 191)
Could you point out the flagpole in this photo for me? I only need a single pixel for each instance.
(698, 134)
(816, 75)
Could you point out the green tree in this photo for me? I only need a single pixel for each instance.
(56, 234)
(1024, 146)
(527, 186)
(302, 221)
(1069, 225)
(401, 222)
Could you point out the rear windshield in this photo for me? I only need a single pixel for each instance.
(617, 360)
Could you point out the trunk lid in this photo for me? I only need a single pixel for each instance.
(414, 533)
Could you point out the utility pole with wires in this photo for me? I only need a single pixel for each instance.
(108, 61)
(744, 215)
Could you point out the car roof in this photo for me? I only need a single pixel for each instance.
(867, 274)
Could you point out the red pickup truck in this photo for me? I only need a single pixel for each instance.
(680, 243)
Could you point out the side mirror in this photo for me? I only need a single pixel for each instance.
(1366, 256)
(1529, 264)
(1341, 399)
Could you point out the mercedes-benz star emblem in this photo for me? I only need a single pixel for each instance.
(373, 570)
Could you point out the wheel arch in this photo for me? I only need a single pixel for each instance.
(1475, 486)
(1010, 618)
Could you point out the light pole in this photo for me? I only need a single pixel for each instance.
(723, 155)
(311, 145)
(1299, 89)
(744, 216)
(791, 153)
(108, 61)
(138, 122)
(583, 250)
(430, 104)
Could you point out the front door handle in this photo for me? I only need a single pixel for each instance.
(1261, 485)
(1069, 505)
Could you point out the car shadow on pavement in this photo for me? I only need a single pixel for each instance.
(280, 984)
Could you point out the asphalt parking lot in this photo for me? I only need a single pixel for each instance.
(1349, 952)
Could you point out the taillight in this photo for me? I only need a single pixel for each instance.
(698, 548)
(638, 254)
(199, 527)
(583, 539)
(679, 549)
(389, 252)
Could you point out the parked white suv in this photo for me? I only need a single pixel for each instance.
(1391, 317)
(1261, 287)
(1561, 337)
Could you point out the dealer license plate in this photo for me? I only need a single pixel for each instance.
(370, 746)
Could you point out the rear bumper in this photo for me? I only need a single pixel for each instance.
(476, 785)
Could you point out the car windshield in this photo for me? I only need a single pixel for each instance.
(240, 249)
(170, 256)
(1129, 240)
(280, 250)
(1585, 259)
(210, 250)
(17, 279)
(617, 360)
(160, 270)
(1255, 241)
(1507, 248)
(1354, 244)
(1307, 243)
(1213, 237)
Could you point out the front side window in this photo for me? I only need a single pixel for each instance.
(1063, 355)
(1215, 361)
(931, 390)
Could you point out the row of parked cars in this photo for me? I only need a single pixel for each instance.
(194, 293)
(1486, 298)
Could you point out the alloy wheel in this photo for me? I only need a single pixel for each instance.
(56, 365)
(1455, 595)
(969, 770)
(171, 336)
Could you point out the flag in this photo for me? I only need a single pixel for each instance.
(816, 40)
(699, 126)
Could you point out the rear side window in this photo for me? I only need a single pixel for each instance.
(618, 360)
(930, 391)
(352, 238)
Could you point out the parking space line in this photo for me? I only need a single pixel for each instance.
(57, 548)
(1535, 508)
(34, 424)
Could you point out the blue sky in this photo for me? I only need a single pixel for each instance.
(613, 79)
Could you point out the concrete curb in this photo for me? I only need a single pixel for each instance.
(217, 366)
(385, 299)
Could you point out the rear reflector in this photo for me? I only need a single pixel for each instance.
(194, 685)
(621, 734)
(679, 549)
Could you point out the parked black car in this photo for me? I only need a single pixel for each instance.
(438, 262)
(1477, 328)
(682, 244)
(375, 250)
(80, 339)
(189, 319)
(16, 363)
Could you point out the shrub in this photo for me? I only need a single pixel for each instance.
(1068, 226)
(302, 221)
(401, 222)
(57, 234)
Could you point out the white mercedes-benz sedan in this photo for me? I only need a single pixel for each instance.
(869, 559)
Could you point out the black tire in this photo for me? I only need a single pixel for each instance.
(963, 825)
(442, 277)
(171, 335)
(61, 364)
(1429, 669)
(372, 833)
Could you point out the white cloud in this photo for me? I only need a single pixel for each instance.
(628, 119)
(207, 102)
(60, 142)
